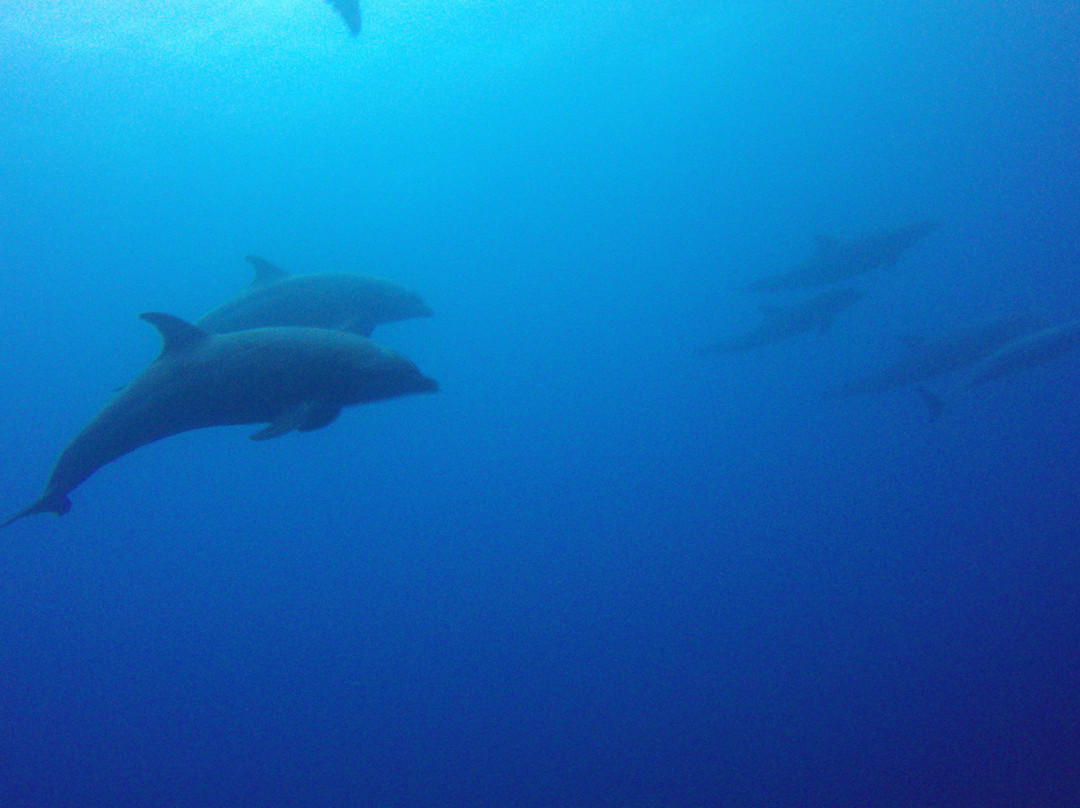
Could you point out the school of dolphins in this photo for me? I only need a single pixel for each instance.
(291, 351)
(975, 354)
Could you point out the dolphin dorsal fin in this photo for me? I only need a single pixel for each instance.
(176, 334)
(265, 272)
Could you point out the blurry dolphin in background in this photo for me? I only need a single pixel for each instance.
(288, 378)
(837, 260)
(325, 300)
(350, 12)
(817, 313)
(926, 358)
(1025, 352)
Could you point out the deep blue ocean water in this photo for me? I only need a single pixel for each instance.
(596, 569)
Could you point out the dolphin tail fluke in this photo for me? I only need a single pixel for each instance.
(49, 503)
(933, 403)
(350, 13)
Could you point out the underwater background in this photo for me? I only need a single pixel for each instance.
(597, 568)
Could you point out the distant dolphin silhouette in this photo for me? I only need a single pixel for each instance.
(1025, 352)
(837, 260)
(817, 313)
(350, 12)
(927, 358)
(287, 378)
(326, 300)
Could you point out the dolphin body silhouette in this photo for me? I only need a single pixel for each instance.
(817, 313)
(326, 300)
(927, 358)
(837, 260)
(1025, 352)
(350, 13)
(287, 378)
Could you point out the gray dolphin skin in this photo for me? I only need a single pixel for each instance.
(350, 13)
(326, 300)
(836, 260)
(815, 314)
(927, 358)
(1025, 352)
(287, 378)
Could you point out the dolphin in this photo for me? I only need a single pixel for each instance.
(926, 358)
(817, 313)
(837, 260)
(326, 300)
(350, 12)
(287, 378)
(1027, 351)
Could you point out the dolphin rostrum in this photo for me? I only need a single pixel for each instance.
(817, 313)
(926, 358)
(287, 378)
(837, 260)
(326, 300)
(1024, 352)
(350, 12)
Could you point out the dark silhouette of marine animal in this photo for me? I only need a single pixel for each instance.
(350, 13)
(287, 378)
(815, 314)
(1024, 352)
(342, 301)
(836, 260)
(927, 358)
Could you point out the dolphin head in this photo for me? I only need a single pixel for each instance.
(411, 381)
(395, 302)
(410, 305)
(398, 377)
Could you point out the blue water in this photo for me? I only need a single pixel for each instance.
(596, 569)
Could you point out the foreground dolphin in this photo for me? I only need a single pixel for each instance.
(326, 300)
(924, 358)
(350, 12)
(837, 260)
(817, 313)
(288, 378)
(1026, 352)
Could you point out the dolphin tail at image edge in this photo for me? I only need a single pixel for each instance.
(49, 503)
(349, 11)
(933, 402)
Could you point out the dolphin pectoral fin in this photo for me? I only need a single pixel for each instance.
(49, 503)
(286, 421)
(265, 272)
(319, 417)
(933, 402)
